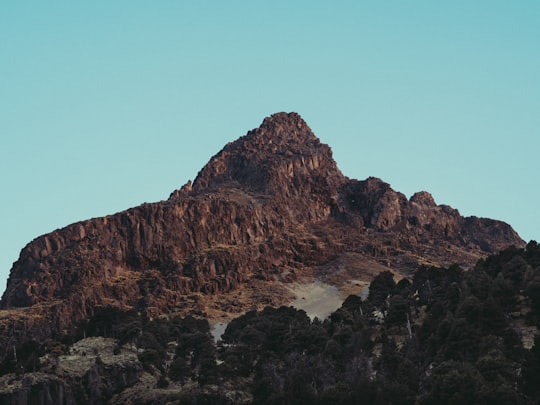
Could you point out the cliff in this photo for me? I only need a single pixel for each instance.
(271, 207)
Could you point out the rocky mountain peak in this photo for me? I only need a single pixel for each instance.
(286, 129)
(281, 154)
(269, 209)
(423, 198)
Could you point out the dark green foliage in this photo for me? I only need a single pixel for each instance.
(151, 357)
(194, 355)
(447, 336)
(275, 330)
(163, 382)
(462, 350)
(113, 322)
(22, 358)
(452, 383)
(180, 369)
(380, 288)
(198, 351)
(532, 291)
(531, 370)
(398, 311)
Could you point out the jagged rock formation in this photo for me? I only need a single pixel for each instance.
(90, 374)
(270, 206)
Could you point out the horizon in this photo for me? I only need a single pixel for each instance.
(107, 106)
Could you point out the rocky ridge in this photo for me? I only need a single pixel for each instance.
(270, 208)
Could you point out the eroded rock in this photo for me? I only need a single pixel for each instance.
(271, 206)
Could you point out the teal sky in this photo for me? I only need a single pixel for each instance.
(108, 104)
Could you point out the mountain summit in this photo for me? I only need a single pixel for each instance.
(257, 159)
(269, 209)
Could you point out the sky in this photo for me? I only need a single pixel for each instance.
(106, 104)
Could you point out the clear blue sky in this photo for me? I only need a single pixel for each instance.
(108, 104)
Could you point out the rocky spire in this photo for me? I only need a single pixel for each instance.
(282, 149)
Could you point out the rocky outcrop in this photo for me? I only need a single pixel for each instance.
(90, 374)
(271, 206)
(35, 388)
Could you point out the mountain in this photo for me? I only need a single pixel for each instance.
(271, 208)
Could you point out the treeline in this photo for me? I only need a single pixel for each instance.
(446, 336)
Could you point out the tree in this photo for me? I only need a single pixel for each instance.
(452, 383)
(531, 370)
(398, 311)
(380, 288)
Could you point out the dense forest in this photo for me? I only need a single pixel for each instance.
(446, 336)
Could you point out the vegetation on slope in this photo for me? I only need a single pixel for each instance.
(446, 336)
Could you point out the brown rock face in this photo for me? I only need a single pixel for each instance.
(270, 206)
